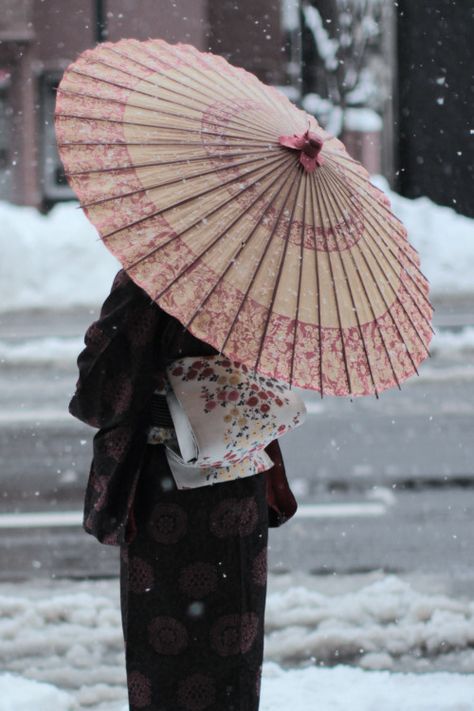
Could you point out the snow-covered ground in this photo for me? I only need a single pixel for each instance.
(61, 646)
(57, 261)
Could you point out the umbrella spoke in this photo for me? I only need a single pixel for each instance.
(242, 87)
(150, 125)
(257, 134)
(374, 218)
(349, 288)
(356, 180)
(336, 197)
(396, 295)
(211, 96)
(177, 181)
(222, 234)
(202, 216)
(331, 271)
(390, 264)
(155, 164)
(318, 286)
(296, 187)
(300, 274)
(155, 143)
(260, 262)
(188, 199)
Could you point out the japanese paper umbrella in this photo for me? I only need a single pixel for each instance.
(242, 218)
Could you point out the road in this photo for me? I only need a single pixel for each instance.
(384, 484)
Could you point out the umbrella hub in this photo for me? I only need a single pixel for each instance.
(309, 145)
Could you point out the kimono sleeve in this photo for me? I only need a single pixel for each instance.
(280, 499)
(119, 365)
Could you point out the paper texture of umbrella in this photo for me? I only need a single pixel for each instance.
(242, 218)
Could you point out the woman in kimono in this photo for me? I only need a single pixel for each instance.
(193, 561)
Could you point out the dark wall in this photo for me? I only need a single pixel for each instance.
(436, 101)
(248, 33)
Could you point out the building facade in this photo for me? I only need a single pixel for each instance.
(39, 38)
(423, 60)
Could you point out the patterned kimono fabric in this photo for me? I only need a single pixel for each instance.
(193, 562)
(193, 584)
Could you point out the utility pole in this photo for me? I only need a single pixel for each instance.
(100, 21)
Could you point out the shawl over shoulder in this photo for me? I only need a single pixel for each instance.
(123, 362)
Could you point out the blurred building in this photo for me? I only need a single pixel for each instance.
(39, 38)
(422, 62)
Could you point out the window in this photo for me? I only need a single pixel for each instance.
(6, 113)
(55, 185)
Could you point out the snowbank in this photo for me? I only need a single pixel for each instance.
(17, 694)
(343, 688)
(444, 239)
(68, 635)
(51, 261)
(334, 689)
(57, 261)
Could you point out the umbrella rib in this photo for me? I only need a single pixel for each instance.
(223, 232)
(257, 134)
(395, 256)
(192, 159)
(241, 246)
(318, 288)
(207, 96)
(360, 184)
(383, 227)
(201, 217)
(348, 284)
(210, 171)
(183, 201)
(258, 267)
(155, 143)
(349, 288)
(242, 88)
(413, 264)
(300, 274)
(397, 298)
(155, 84)
(296, 185)
(149, 125)
(335, 194)
(338, 311)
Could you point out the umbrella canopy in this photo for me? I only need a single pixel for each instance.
(242, 218)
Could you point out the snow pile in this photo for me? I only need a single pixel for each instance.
(444, 239)
(358, 119)
(51, 261)
(57, 261)
(372, 627)
(69, 635)
(70, 639)
(334, 689)
(17, 694)
(343, 688)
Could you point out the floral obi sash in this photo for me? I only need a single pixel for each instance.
(224, 415)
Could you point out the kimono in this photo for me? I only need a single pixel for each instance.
(193, 563)
(126, 352)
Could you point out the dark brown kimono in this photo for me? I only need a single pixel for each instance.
(126, 351)
(193, 562)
